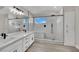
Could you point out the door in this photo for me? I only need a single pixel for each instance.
(55, 29)
(51, 28)
(69, 18)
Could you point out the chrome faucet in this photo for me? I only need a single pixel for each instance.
(4, 35)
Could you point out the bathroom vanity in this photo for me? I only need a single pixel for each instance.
(17, 42)
(19, 30)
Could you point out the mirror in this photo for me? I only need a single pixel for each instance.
(16, 25)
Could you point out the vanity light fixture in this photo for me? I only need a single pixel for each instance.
(15, 10)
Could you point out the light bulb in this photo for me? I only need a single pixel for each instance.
(23, 13)
(17, 12)
(14, 11)
(20, 13)
(11, 9)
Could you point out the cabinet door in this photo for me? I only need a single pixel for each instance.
(31, 40)
(27, 41)
(20, 46)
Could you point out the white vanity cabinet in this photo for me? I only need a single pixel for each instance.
(14, 47)
(27, 41)
(19, 44)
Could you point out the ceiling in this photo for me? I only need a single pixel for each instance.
(70, 8)
(37, 11)
(44, 10)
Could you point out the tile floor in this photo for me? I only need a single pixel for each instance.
(44, 46)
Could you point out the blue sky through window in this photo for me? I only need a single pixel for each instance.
(40, 20)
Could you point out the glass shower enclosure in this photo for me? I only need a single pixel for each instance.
(49, 28)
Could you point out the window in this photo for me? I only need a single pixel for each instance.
(40, 20)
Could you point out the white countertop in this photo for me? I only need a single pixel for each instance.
(12, 38)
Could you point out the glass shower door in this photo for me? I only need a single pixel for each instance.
(52, 30)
